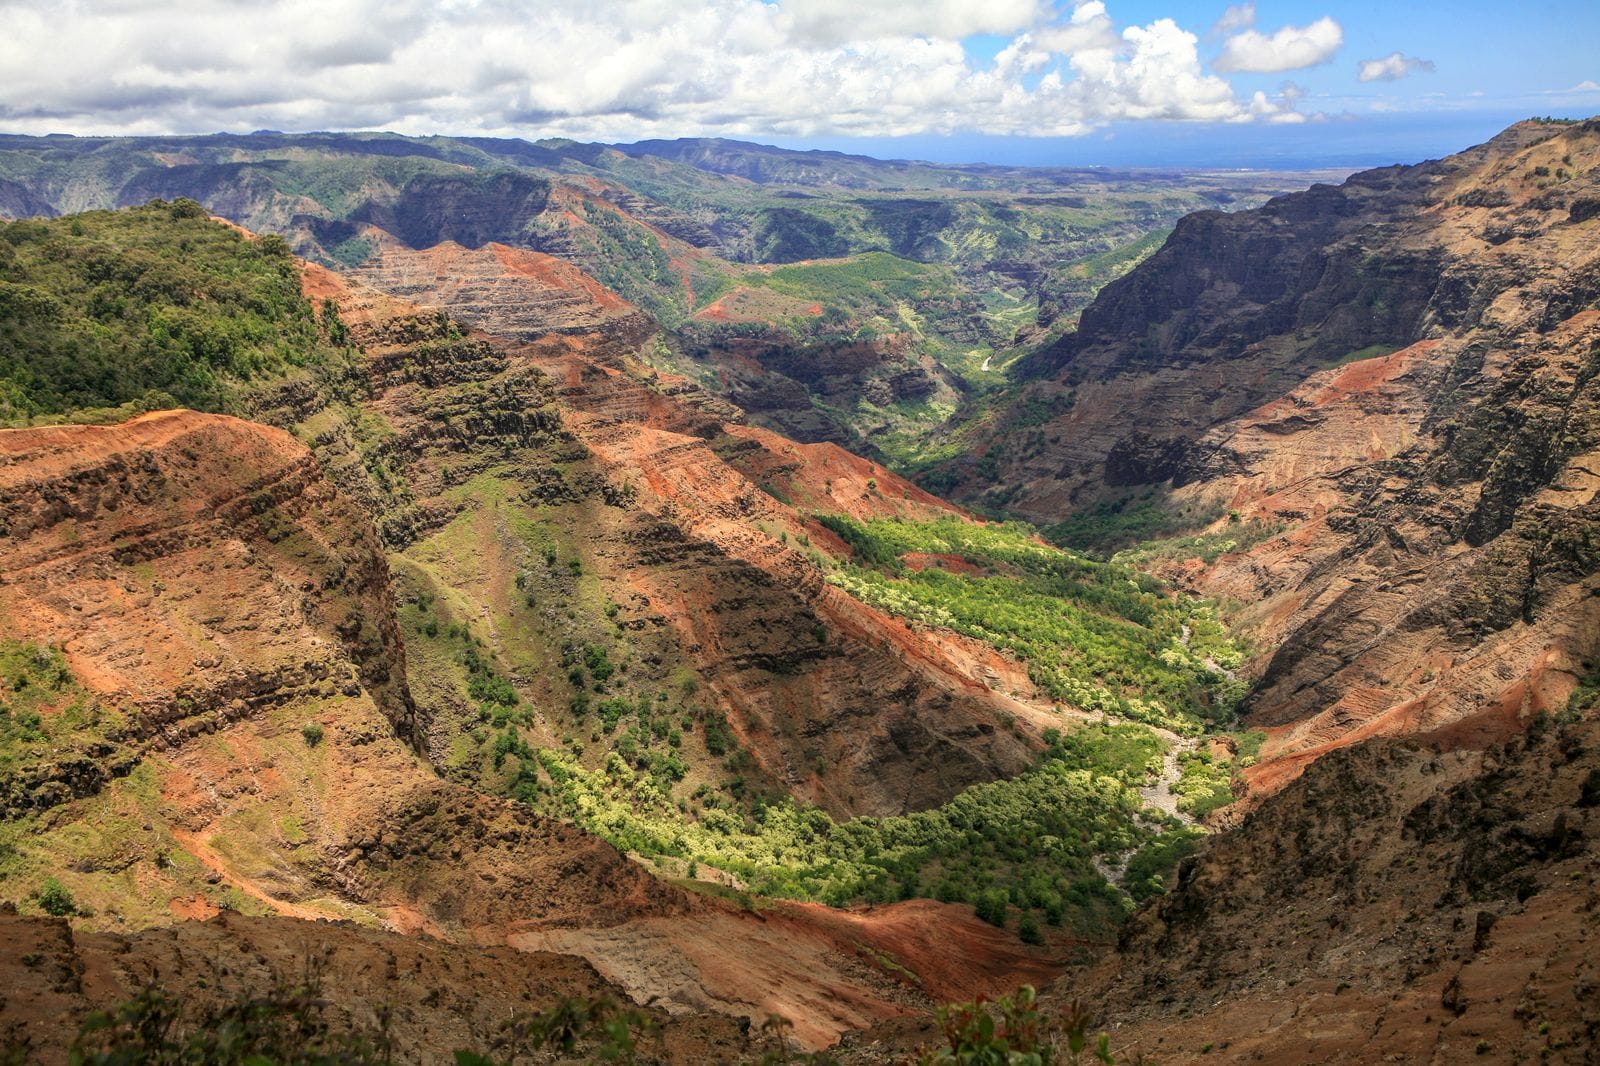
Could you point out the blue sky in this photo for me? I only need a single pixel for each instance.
(1076, 82)
(1493, 64)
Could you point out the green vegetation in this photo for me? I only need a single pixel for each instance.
(1025, 844)
(312, 732)
(863, 281)
(48, 720)
(1207, 547)
(1022, 852)
(1116, 524)
(111, 312)
(1204, 785)
(1249, 745)
(1145, 876)
(1012, 1032)
(1585, 695)
(1100, 636)
(54, 899)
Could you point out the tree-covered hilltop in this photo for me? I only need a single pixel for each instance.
(109, 312)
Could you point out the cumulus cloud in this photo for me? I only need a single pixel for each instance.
(610, 69)
(1235, 18)
(831, 22)
(1290, 48)
(1279, 110)
(1392, 67)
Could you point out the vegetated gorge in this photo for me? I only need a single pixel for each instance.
(448, 586)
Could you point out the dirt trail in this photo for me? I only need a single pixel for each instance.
(198, 845)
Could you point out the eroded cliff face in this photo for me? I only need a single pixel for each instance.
(1392, 903)
(506, 445)
(196, 570)
(226, 727)
(1390, 386)
(216, 601)
(241, 755)
(510, 292)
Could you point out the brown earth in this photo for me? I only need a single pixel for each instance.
(685, 517)
(440, 996)
(1391, 385)
(716, 962)
(511, 292)
(217, 586)
(1395, 903)
(225, 807)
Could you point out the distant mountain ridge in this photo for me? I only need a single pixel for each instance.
(998, 258)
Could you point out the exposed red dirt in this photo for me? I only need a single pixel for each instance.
(826, 477)
(827, 971)
(940, 561)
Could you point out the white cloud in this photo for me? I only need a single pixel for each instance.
(601, 69)
(1392, 67)
(1281, 110)
(1238, 17)
(1586, 86)
(830, 22)
(1290, 48)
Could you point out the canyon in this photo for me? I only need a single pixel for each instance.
(538, 630)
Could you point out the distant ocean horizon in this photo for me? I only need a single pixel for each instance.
(1336, 142)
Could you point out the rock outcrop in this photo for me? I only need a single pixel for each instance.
(196, 569)
(1388, 389)
(1392, 904)
(683, 514)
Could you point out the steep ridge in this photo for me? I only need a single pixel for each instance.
(221, 536)
(1383, 395)
(892, 716)
(187, 592)
(686, 531)
(169, 585)
(1392, 903)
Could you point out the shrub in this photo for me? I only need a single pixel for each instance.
(1012, 1033)
(312, 732)
(991, 907)
(55, 899)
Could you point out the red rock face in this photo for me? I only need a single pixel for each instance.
(511, 292)
(1429, 503)
(701, 517)
(214, 592)
(195, 568)
(206, 578)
